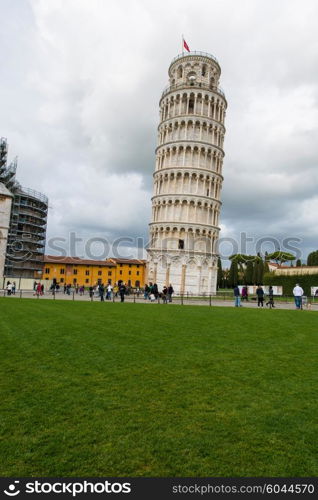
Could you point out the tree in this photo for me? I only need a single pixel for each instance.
(260, 272)
(249, 273)
(248, 267)
(312, 259)
(233, 274)
(255, 273)
(220, 273)
(281, 257)
(225, 278)
(298, 263)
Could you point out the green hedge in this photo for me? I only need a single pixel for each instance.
(288, 282)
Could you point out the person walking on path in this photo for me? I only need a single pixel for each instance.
(260, 296)
(38, 290)
(164, 294)
(147, 292)
(101, 290)
(109, 290)
(270, 302)
(9, 288)
(122, 291)
(298, 292)
(170, 292)
(237, 296)
(245, 293)
(155, 290)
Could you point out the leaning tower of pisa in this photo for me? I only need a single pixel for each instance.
(186, 204)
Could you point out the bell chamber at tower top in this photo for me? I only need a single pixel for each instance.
(194, 90)
(194, 70)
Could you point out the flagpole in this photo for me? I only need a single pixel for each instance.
(182, 44)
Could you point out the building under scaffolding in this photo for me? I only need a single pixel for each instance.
(27, 229)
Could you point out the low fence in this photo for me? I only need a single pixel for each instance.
(186, 299)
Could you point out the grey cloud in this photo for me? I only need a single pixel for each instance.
(80, 87)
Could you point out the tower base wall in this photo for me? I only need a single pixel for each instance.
(193, 275)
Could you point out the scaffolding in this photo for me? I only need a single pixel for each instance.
(28, 220)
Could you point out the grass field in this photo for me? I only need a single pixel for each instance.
(102, 389)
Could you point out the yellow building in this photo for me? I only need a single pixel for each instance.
(131, 271)
(71, 270)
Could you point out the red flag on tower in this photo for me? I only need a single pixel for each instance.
(185, 45)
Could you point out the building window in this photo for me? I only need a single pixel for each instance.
(109, 273)
(74, 280)
(207, 192)
(137, 283)
(87, 281)
(47, 270)
(99, 273)
(137, 265)
(129, 265)
(87, 273)
(62, 280)
(120, 272)
(120, 265)
(181, 244)
(129, 272)
(129, 282)
(75, 271)
(137, 273)
(62, 271)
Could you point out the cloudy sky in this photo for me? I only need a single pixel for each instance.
(80, 84)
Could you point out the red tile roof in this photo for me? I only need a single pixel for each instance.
(128, 261)
(76, 261)
(278, 266)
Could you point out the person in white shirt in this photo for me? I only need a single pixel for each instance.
(298, 293)
(109, 292)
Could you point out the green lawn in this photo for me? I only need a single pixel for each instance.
(102, 389)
